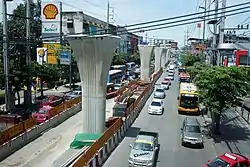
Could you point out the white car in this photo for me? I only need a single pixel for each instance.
(156, 107)
(165, 85)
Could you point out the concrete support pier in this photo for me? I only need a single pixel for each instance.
(167, 55)
(163, 58)
(146, 52)
(93, 55)
(158, 57)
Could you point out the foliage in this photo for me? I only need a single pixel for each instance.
(119, 59)
(189, 59)
(220, 86)
(196, 69)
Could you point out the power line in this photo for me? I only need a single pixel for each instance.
(187, 15)
(167, 19)
(163, 27)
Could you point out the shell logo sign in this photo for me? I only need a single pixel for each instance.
(50, 11)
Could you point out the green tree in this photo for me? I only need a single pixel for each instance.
(46, 72)
(189, 59)
(135, 58)
(119, 59)
(218, 88)
(196, 69)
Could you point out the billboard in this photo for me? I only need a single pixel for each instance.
(50, 15)
(41, 55)
(52, 51)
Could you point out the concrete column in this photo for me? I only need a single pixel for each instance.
(146, 52)
(93, 55)
(158, 55)
(163, 57)
(167, 55)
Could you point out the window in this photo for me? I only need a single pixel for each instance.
(70, 23)
(143, 146)
(218, 162)
(192, 129)
(154, 103)
(160, 90)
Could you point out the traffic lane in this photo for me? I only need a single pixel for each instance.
(47, 148)
(119, 157)
(168, 126)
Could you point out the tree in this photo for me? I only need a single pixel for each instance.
(118, 59)
(135, 58)
(218, 88)
(196, 69)
(46, 72)
(189, 59)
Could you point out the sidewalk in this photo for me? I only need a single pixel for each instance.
(235, 135)
(59, 91)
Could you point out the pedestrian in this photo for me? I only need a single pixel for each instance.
(56, 87)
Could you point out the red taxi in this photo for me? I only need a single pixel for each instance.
(50, 100)
(42, 114)
(229, 160)
(168, 79)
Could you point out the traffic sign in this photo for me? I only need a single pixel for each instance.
(65, 57)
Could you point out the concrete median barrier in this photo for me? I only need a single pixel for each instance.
(19, 141)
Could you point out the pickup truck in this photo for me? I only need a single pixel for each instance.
(144, 149)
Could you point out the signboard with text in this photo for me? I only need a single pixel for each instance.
(52, 53)
(65, 57)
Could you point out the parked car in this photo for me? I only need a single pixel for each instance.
(144, 150)
(156, 107)
(168, 79)
(191, 133)
(50, 100)
(159, 93)
(43, 114)
(117, 86)
(165, 85)
(73, 94)
(229, 160)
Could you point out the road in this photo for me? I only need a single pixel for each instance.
(171, 153)
(46, 149)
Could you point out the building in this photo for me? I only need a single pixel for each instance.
(77, 22)
(158, 41)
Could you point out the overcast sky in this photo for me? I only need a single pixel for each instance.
(134, 11)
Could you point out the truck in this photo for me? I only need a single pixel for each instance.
(144, 150)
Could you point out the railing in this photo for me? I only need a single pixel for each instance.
(244, 113)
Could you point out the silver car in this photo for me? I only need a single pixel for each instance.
(159, 93)
(191, 133)
(144, 150)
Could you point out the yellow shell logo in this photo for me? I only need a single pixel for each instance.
(50, 11)
(41, 53)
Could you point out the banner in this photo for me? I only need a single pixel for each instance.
(65, 57)
(52, 52)
(50, 14)
(41, 55)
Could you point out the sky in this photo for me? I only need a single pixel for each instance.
(127, 12)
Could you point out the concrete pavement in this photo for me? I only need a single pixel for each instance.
(46, 149)
(171, 153)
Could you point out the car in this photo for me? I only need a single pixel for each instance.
(159, 93)
(117, 86)
(144, 150)
(191, 133)
(229, 160)
(165, 84)
(168, 79)
(50, 100)
(171, 76)
(73, 94)
(156, 107)
(42, 114)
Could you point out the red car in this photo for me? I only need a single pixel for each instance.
(43, 114)
(50, 100)
(229, 160)
(167, 79)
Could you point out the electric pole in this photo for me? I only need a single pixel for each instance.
(6, 57)
(28, 61)
(222, 24)
(61, 33)
(204, 24)
(215, 31)
(108, 16)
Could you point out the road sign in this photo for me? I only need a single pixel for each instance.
(249, 53)
(65, 57)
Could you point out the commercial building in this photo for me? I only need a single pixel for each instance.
(77, 22)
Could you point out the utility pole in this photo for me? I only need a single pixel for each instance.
(222, 24)
(6, 57)
(204, 24)
(61, 33)
(28, 61)
(108, 16)
(215, 31)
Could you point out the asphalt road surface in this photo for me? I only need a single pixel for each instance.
(171, 153)
(46, 149)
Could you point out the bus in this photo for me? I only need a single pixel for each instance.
(184, 77)
(188, 101)
(115, 76)
(120, 67)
